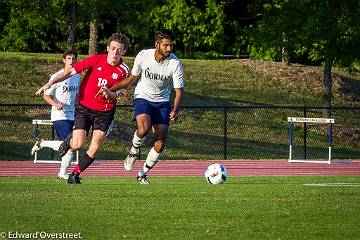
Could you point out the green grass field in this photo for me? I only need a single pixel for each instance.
(184, 207)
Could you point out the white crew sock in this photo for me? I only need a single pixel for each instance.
(66, 161)
(151, 159)
(136, 143)
(51, 144)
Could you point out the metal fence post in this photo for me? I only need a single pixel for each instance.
(225, 133)
(305, 134)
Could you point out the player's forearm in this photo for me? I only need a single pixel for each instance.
(53, 102)
(49, 100)
(178, 98)
(124, 83)
(65, 75)
(111, 95)
(68, 72)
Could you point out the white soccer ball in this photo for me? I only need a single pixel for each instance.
(216, 173)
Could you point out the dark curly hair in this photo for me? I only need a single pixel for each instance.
(70, 51)
(120, 38)
(163, 34)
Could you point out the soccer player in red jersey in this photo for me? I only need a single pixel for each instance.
(96, 107)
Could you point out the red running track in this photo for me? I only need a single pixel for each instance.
(188, 168)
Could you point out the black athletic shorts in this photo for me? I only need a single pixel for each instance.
(85, 118)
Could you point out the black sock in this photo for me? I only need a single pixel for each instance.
(85, 161)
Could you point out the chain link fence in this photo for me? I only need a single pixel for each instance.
(201, 133)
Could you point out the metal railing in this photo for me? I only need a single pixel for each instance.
(202, 132)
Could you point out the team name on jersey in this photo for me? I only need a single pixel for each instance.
(156, 76)
(70, 89)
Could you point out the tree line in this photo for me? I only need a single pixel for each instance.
(322, 32)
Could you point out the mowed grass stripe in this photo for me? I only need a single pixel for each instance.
(183, 207)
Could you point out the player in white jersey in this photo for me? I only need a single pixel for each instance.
(62, 97)
(160, 70)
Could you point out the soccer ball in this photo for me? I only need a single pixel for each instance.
(216, 173)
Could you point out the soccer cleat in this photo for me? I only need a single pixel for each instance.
(63, 176)
(63, 148)
(130, 161)
(36, 146)
(142, 179)
(74, 178)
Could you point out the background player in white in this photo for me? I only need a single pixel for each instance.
(160, 70)
(62, 96)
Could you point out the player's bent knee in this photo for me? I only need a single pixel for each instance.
(76, 145)
(142, 132)
(159, 146)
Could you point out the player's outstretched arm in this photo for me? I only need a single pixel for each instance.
(68, 72)
(125, 83)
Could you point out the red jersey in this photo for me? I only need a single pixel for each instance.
(100, 73)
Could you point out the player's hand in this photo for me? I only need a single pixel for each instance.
(104, 91)
(58, 105)
(173, 115)
(43, 88)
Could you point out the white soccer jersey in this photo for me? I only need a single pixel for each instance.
(157, 78)
(64, 92)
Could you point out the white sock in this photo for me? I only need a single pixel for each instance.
(66, 161)
(51, 144)
(136, 143)
(151, 159)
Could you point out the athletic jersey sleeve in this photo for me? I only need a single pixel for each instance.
(178, 76)
(51, 91)
(136, 70)
(86, 63)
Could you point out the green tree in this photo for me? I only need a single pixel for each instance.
(33, 27)
(196, 26)
(325, 31)
(4, 15)
(72, 23)
(132, 18)
(52, 26)
(104, 17)
(90, 12)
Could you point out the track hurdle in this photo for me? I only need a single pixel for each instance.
(329, 121)
(37, 123)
